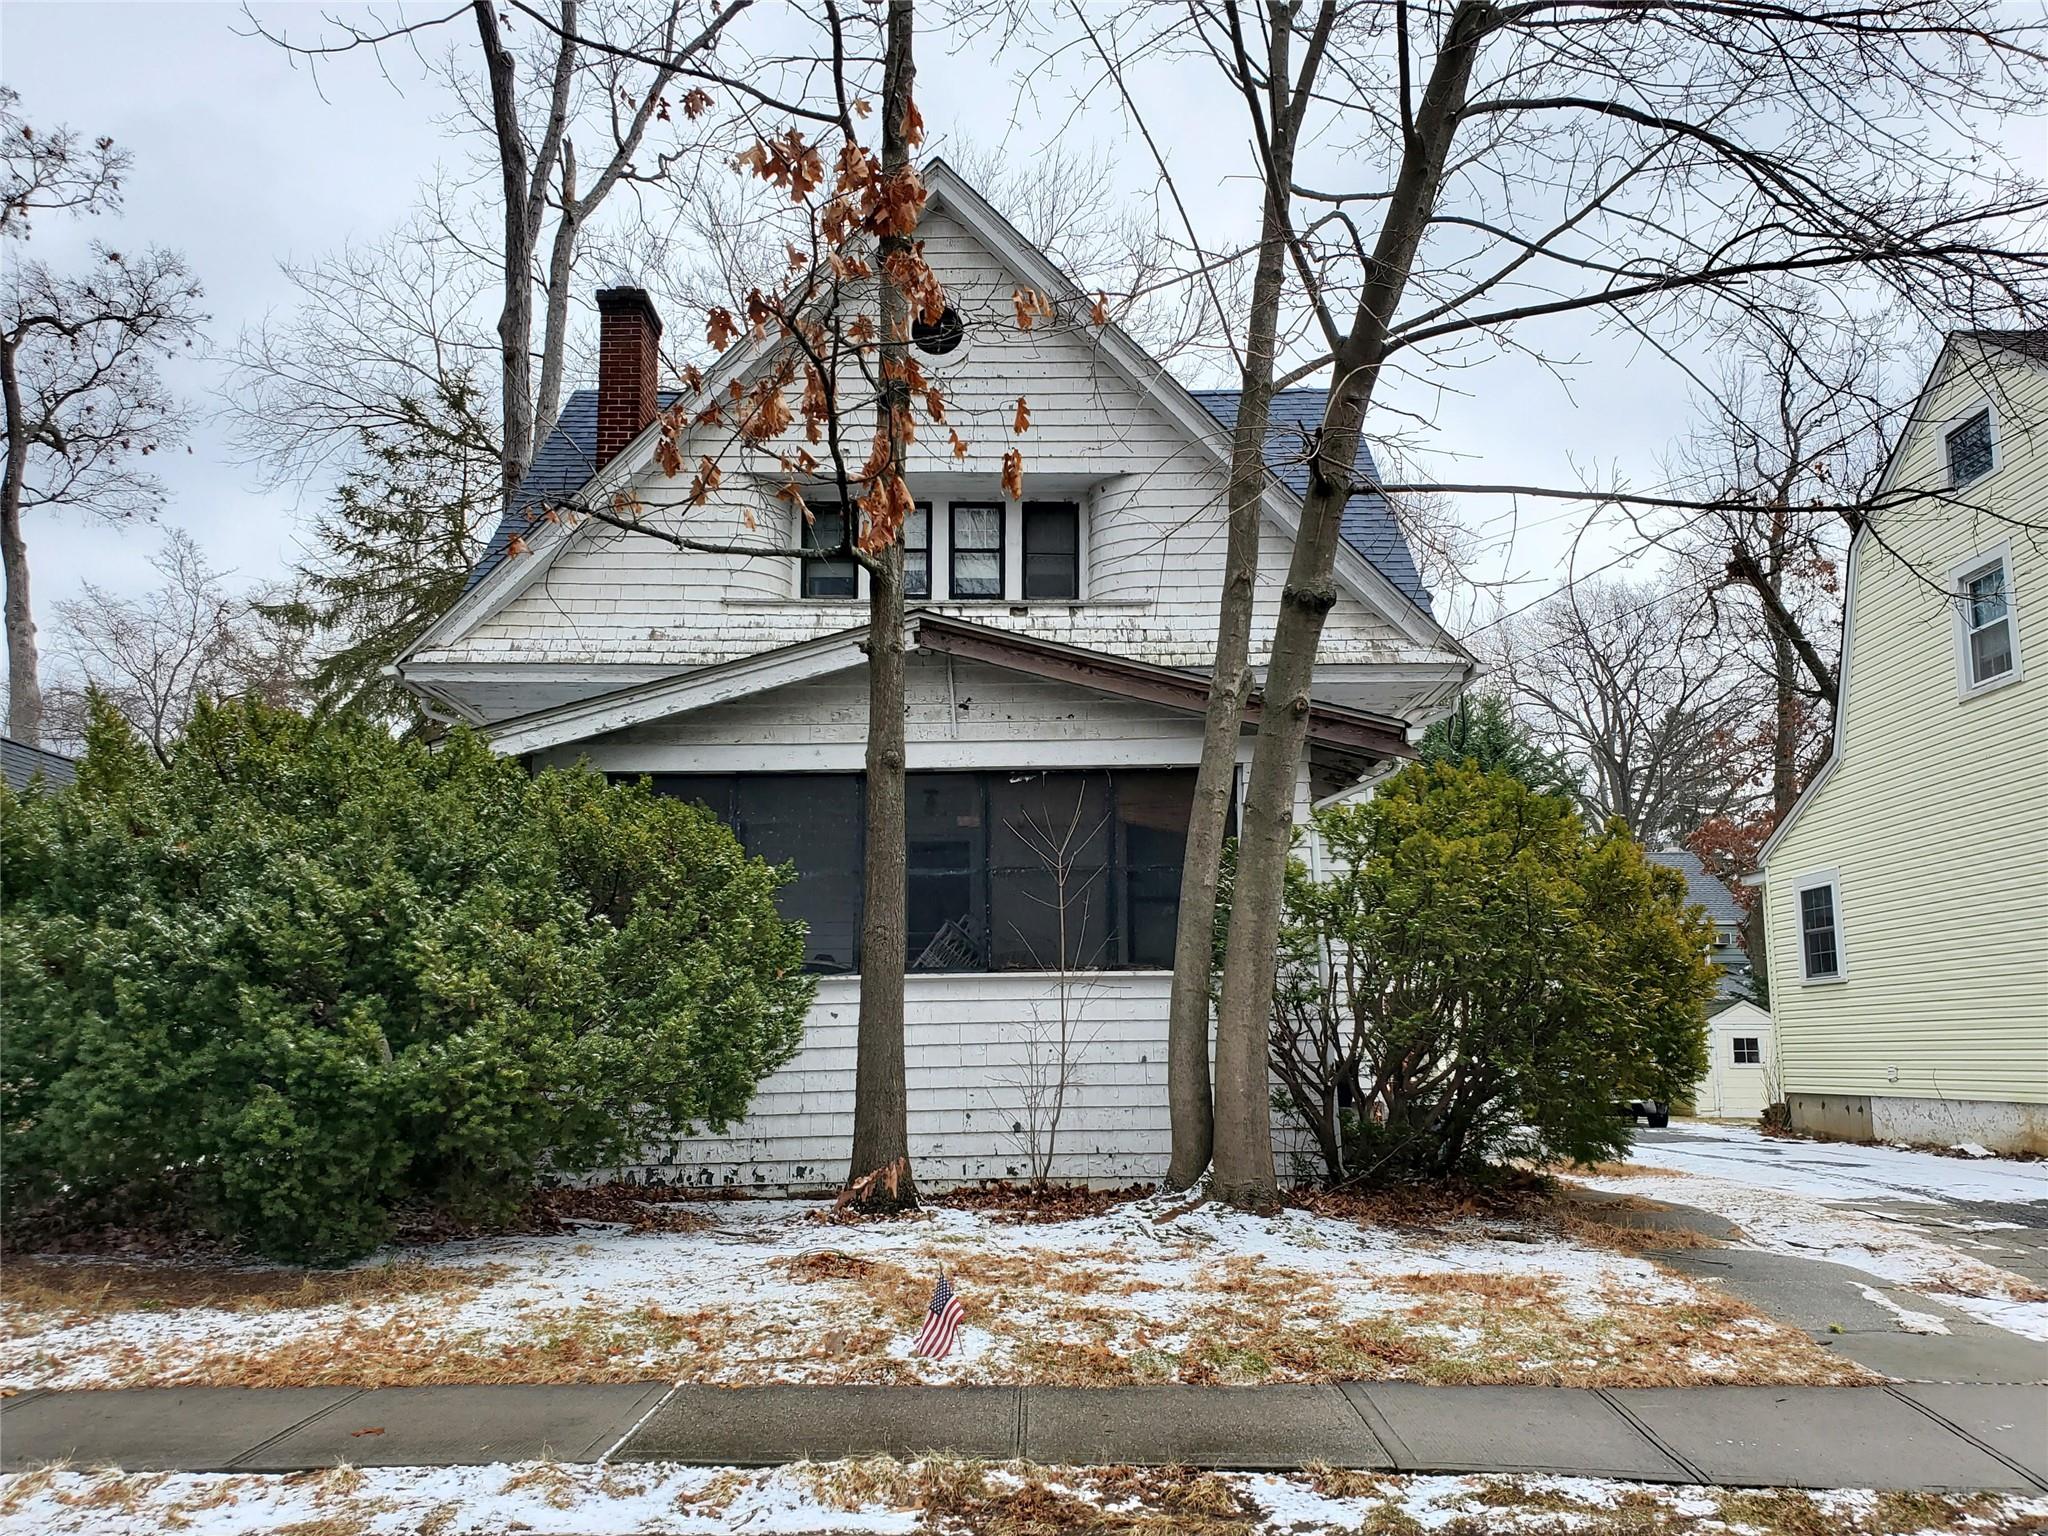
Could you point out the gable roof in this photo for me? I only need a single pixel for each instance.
(1700, 885)
(2033, 344)
(1368, 524)
(20, 762)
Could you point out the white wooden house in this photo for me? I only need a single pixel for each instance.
(1057, 670)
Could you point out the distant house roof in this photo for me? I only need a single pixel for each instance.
(2032, 344)
(567, 459)
(20, 762)
(1701, 886)
(1368, 524)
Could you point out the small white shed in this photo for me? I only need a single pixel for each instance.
(1742, 1065)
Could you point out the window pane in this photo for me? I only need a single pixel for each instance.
(946, 872)
(812, 820)
(977, 575)
(1052, 549)
(917, 573)
(917, 528)
(977, 527)
(1987, 595)
(827, 578)
(1748, 1051)
(1817, 931)
(1969, 449)
(1991, 652)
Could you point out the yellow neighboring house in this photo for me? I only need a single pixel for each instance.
(1907, 892)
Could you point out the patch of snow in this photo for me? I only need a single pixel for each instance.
(1971, 1149)
(1911, 1321)
(1839, 1170)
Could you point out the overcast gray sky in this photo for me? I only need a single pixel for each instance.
(240, 162)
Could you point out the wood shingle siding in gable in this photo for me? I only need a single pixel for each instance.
(1935, 816)
(1153, 527)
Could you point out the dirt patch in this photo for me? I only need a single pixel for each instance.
(1018, 1204)
(85, 1289)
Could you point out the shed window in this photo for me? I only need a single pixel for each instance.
(1052, 550)
(1970, 455)
(828, 577)
(977, 549)
(1819, 935)
(1985, 601)
(1748, 1051)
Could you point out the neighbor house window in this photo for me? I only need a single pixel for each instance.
(917, 551)
(1004, 871)
(977, 549)
(1820, 937)
(1987, 636)
(1970, 452)
(1748, 1051)
(828, 577)
(1052, 550)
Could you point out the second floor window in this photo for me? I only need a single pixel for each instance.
(1985, 601)
(917, 552)
(828, 577)
(977, 549)
(1052, 550)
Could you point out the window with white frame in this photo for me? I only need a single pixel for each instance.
(1971, 451)
(1749, 1051)
(1987, 626)
(1820, 930)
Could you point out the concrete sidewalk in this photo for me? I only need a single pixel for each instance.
(1907, 1436)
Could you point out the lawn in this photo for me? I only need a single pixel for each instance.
(745, 1291)
(954, 1497)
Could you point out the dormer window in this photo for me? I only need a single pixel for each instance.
(828, 577)
(1971, 452)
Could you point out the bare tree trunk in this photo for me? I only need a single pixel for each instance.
(1187, 1030)
(1244, 1172)
(561, 264)
(24, 689)
(878, 1173)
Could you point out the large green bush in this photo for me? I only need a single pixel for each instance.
(1478, 977)
(308, 973)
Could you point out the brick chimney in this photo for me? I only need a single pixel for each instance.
(628, 349)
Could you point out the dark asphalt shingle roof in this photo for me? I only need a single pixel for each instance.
(20, 762)
(1700, 885)
(1368, 525)
(2033, 344)
(567, 459)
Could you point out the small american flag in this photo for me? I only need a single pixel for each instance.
(942, 1320)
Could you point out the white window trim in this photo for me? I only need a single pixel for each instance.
(941, 533)
(1999, 554)
(1812, 882)
(1983, 405)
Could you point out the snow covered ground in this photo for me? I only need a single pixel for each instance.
(773, 1290)
(1787, 1197)
(886, 1496)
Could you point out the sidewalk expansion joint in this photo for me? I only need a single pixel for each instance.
(293, 1428)
(1606, 1395)
(1023, 1420)
(641, 1423)
(1956, 1429)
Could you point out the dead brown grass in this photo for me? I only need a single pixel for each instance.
(97, 1288)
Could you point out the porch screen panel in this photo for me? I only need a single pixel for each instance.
(946, 873)
(1051, 846)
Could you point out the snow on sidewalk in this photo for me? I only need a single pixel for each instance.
(1779, 1192)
